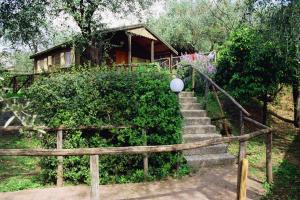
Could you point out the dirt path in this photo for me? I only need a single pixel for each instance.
(213, 184)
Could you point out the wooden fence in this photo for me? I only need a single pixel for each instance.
(94, 154)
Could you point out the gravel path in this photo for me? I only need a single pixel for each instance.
(213, 184)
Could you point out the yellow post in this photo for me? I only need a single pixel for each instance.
(243, 185)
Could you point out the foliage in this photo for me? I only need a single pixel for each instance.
(279, 22)
(28, 22)
(22, 22)
(93, 97)
(199, 25)
(19, 172)
(286, 175)
(249, 66)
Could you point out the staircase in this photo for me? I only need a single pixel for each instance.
(197, 127)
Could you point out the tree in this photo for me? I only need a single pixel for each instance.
(199, 25)
(87, 15)
(22, 22)
(284, 25)
(27, 22)
(249, 67)
(279, 22)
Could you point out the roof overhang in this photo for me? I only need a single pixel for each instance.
(139, 29)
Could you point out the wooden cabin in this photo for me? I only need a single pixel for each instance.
(127, 45)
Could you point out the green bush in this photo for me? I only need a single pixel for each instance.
(140, 99)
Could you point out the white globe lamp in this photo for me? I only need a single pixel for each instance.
(177, 85)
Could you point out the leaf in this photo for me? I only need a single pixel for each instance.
(8, 122)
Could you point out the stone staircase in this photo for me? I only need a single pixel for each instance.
(198, 127)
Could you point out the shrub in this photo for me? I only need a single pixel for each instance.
(139, 99)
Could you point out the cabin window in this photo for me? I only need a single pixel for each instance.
(56, 59)
(67, 59)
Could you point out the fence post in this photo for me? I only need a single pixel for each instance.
(242, 154)
(269, 137)
(59, 145)
(206, 94)
(193, 78)
(146, 161)
(94, 168)
(243, 178)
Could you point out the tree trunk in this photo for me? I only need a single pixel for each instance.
(296, 101)
(265, 112)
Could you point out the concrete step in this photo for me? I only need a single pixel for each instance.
(189, 138)
(186, 94)
(193, 113)
(190, 106)
(214, 149)
(197, 121)
(199, 129)
(196, 161)
(187, 100)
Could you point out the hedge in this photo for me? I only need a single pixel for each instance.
(140, 99)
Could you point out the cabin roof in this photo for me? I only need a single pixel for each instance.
(111, 30)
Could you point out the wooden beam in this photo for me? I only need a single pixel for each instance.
(171, 62)
(152, 51)
(281, 118)
(243, 178)
(225, 126)
(225, 93)
(59, 146)
(129, 150)
(45, 128)
(129, 48)
(255, 122)
(94, 168)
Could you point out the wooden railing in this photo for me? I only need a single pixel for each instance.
(95, 152)
(244, 117)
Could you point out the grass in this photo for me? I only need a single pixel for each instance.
(285, 151)
(17, 173)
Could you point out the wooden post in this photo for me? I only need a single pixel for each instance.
(269, 157)
(193, 78)
(152, 51)
(15, 84)
(242, 125)
(94, 168)
(206, 94)
(243, 178)
(129, 49)
(146, 162)
(242, 154)
(59, 145)
(171, 63)
(221, 110)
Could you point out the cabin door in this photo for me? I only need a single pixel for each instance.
(121, 57)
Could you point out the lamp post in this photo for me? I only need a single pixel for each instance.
(177, 85)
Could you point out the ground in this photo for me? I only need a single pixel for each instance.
(212, 184)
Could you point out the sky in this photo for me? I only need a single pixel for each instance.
(63, 23)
